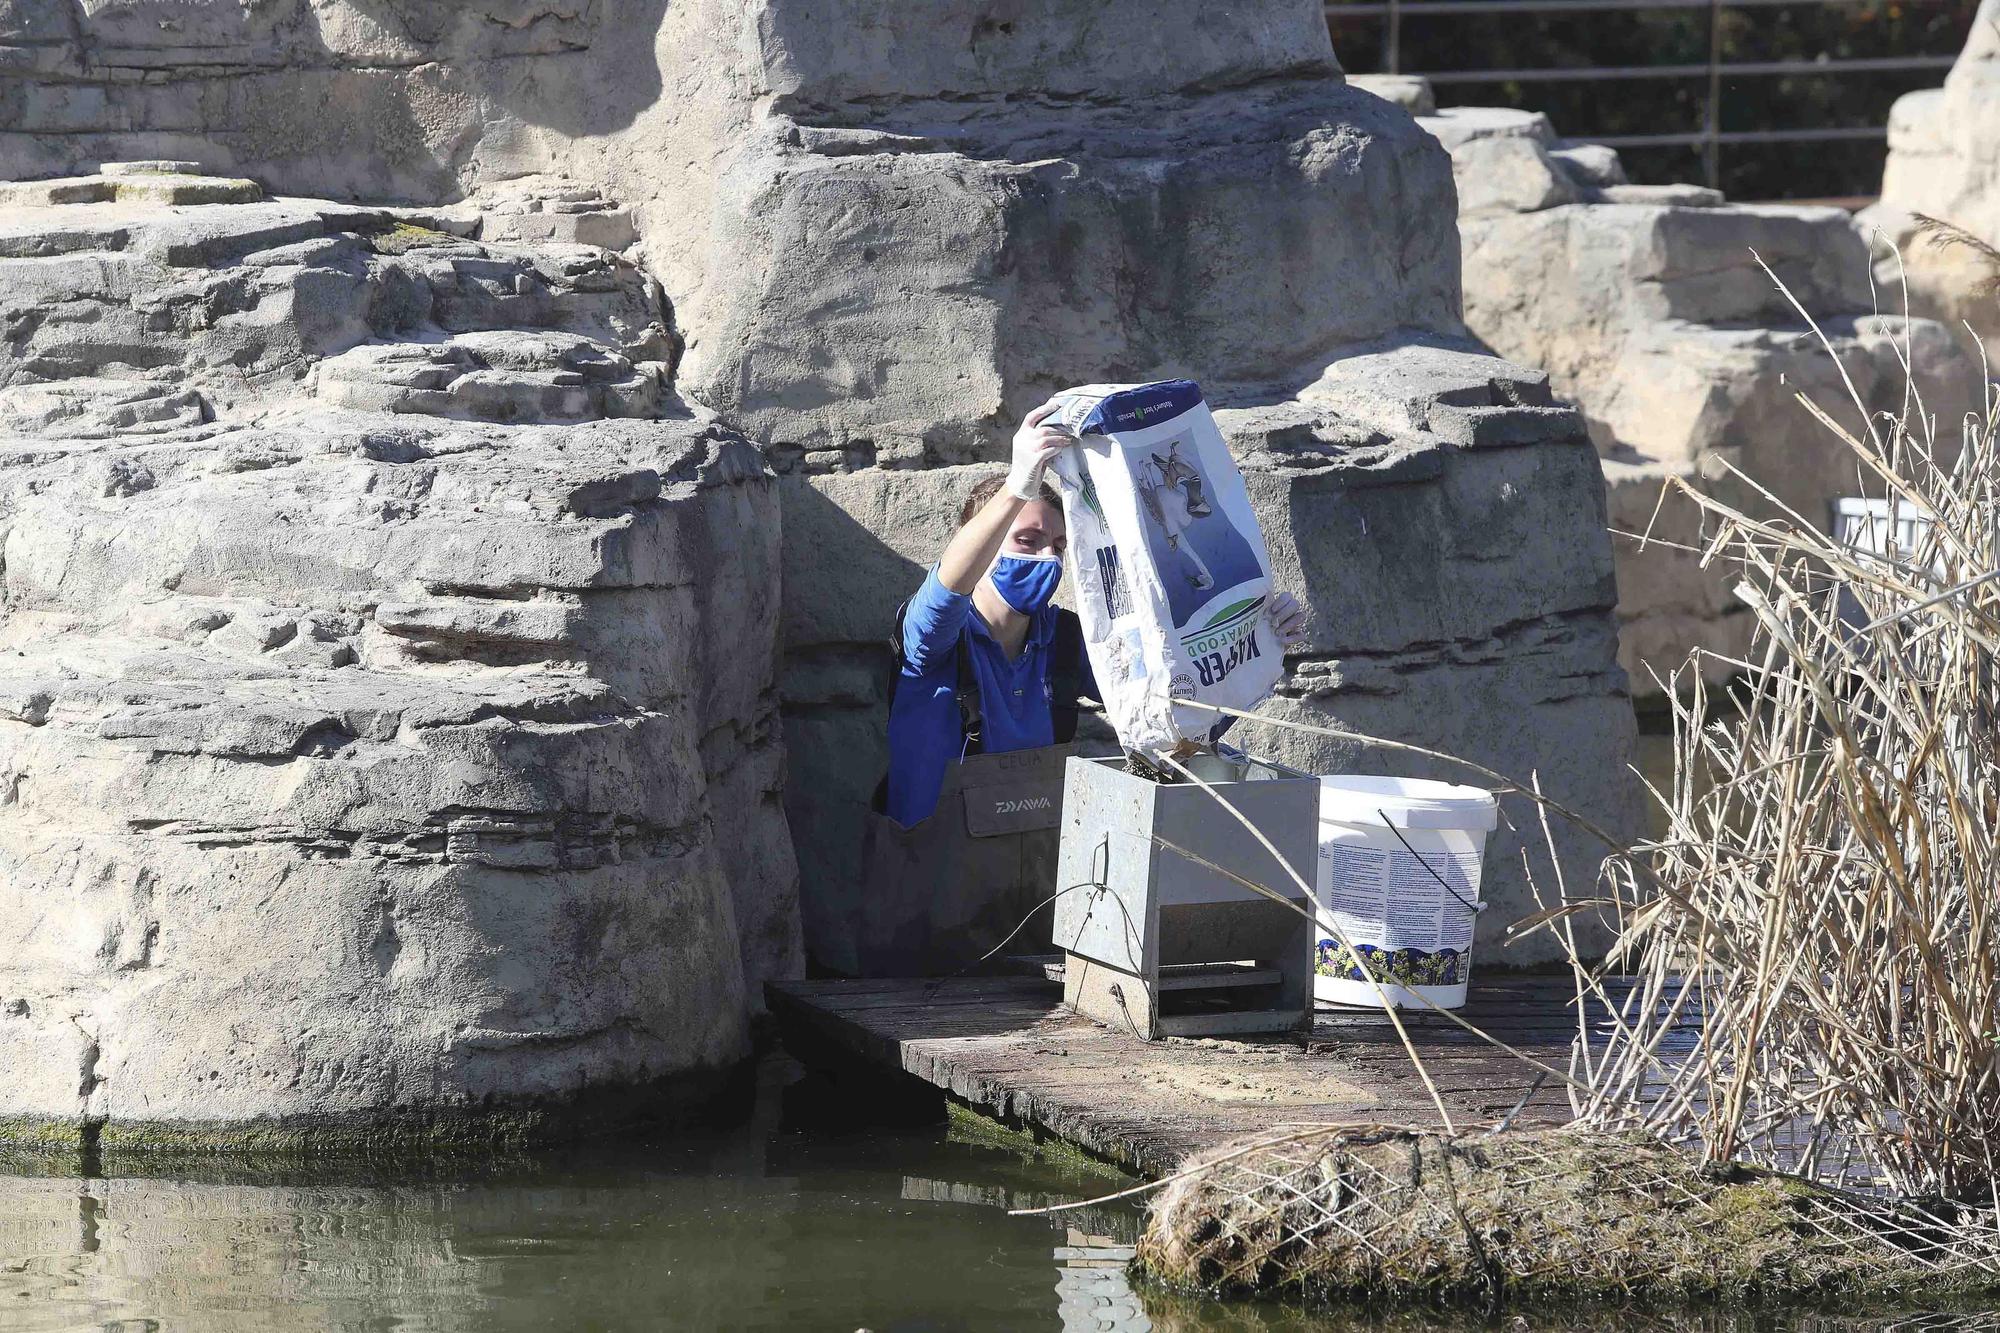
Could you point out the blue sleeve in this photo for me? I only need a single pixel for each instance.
(932, 623)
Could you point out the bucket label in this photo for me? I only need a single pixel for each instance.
(1409, 917)
(1405, 967)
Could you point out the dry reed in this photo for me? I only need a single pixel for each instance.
(1815, 944)
(1817, 934)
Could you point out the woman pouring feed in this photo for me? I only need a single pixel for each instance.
(962, 841)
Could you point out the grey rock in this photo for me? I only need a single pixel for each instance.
(179, 619)
(140, 186)
(1678, 196)
(1509, 174)
(86, 407)
(498, 376)
(537, 209)
(879, 287)
(1051, 228)
(1457, 126)
(1589, 165)
(444, 621)
(1659, 311)
(1409, 91)
(256, 632)
(154, 167)
(359, 771)
(1944, 161)
(771, 153)
(847, 50)
(248, 299)
(1502, 160)
(1456, 600)
(887, 232)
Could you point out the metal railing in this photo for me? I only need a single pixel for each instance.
(1711, 136)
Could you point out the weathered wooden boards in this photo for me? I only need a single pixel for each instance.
(1007, 1046)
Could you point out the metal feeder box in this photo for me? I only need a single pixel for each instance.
(1160, 945)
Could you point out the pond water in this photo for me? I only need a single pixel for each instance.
(769, 1225)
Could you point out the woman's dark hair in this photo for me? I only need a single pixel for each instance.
(990, 487)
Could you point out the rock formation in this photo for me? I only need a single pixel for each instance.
(386, 715)
(1033, 215)
(1437, 511)
(1944, 161)
(377, 557)
(1648, 307)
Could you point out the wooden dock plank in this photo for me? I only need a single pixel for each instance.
(1007, 1046)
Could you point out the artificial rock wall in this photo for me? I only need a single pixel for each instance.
(1651, 309)
(938, 259)
(1438, 512)
(1944, 161)
(387, 723)
(411, 564)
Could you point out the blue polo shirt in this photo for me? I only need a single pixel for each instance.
(926, 734)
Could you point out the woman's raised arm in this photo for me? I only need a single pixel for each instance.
(970, 552)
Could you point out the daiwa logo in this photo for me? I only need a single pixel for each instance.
(1023, 805)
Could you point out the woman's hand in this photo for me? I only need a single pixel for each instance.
(1035, 446)
(978, 539)
(1288, 619)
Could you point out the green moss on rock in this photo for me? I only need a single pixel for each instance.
(400, 237)
(969, 1125)
(36, 1134)
(496, 1125)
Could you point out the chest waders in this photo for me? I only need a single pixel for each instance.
(937, 895)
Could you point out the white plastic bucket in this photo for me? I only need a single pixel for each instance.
(1399, 872)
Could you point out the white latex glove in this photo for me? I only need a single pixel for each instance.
(1288, 619)
(1035, 447)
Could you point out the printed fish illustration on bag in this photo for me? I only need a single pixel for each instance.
(1170, 566)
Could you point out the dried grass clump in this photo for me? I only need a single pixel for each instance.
(1818, 933)
(1391, 1217)
(1944, 235)
(1171, 1311)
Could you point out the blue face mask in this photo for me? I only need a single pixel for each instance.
(1026, 582)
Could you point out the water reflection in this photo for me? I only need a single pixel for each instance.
(1093, 1294)
(129, 1253)
(764, 1227)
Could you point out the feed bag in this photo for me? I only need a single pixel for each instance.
(1171, 573)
